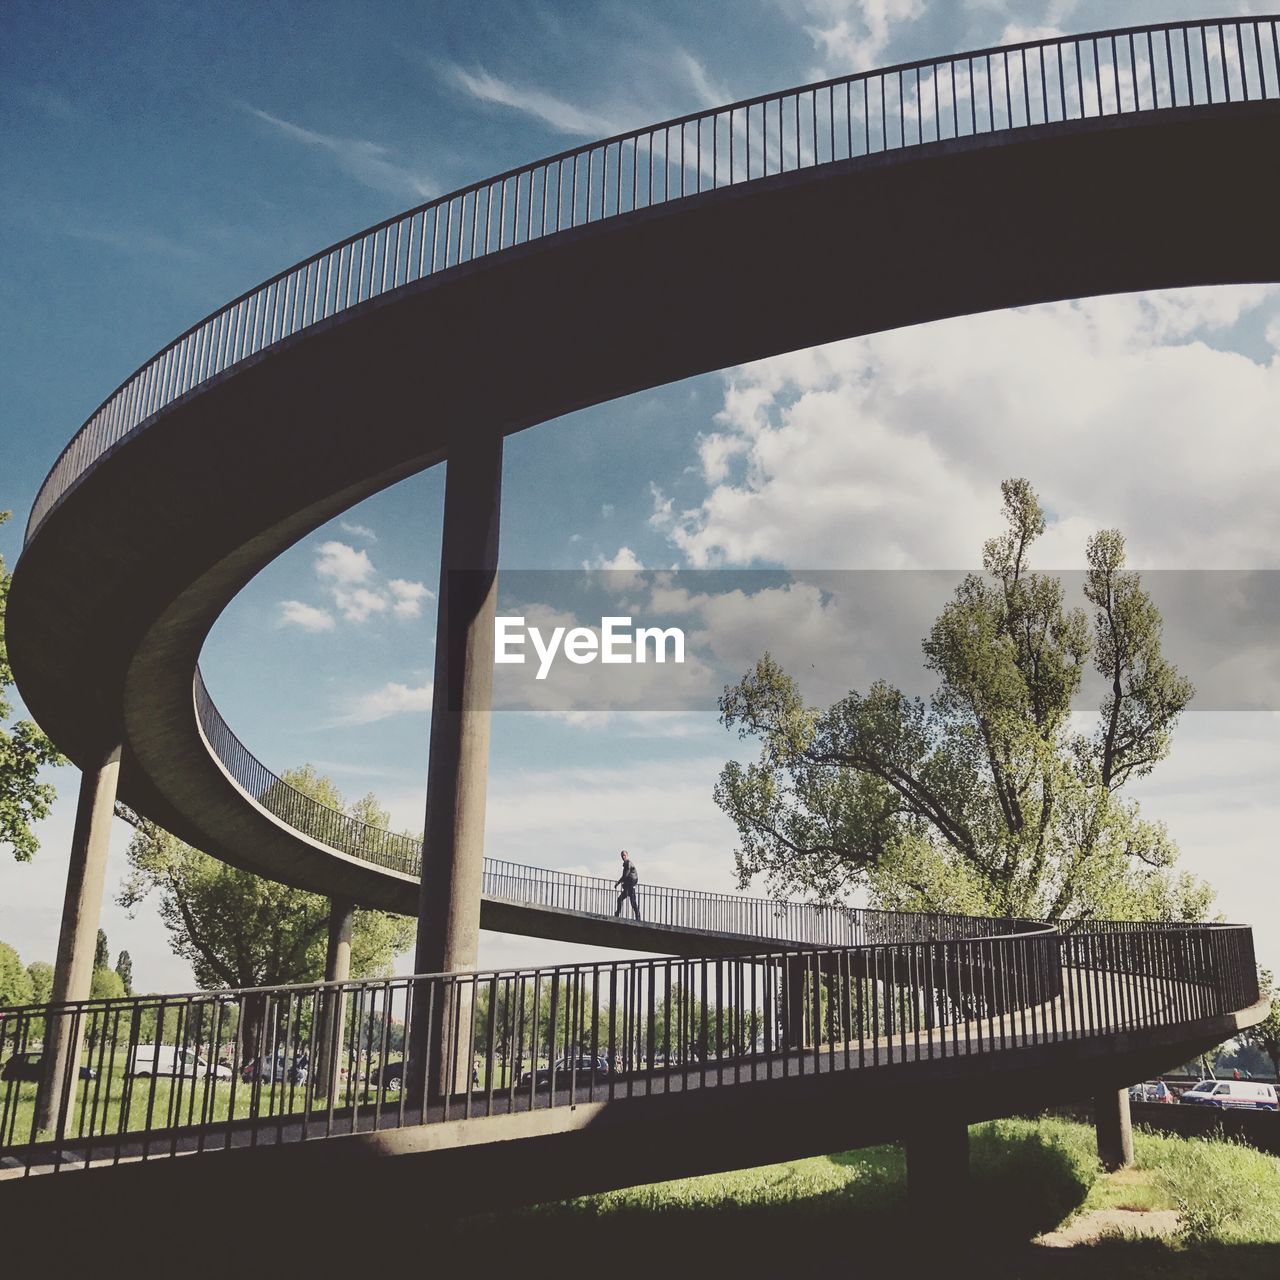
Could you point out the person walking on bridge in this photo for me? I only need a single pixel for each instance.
(627, 881)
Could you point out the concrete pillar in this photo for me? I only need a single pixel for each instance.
(457, 776)
(337, 968)
(1114, 1128)
(937, 1150)
(337, 961)
(78, 936)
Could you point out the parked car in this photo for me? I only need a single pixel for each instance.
(389, 1076)
(1151, 1091)
(1233, 1095)
(28, 1067)
(276, 1070)
(564, 1070)
(169, 1060)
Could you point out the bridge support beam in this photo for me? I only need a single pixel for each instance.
(457, 776)
(1114, 1128)
(937, 1151)
(337, 968)
(78, 936)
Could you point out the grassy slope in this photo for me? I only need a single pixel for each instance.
(840, 1210)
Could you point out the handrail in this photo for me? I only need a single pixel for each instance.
(211, 1070)
(707, 911)
(1056, 80)
(811, 924)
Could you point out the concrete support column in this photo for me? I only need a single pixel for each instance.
(938, 1166)
(457, 776)
(337, 961)
(78, 937)
(337, 968)
(1114, 1128)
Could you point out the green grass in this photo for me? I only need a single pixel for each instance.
(146, 1105)
(849, 1210)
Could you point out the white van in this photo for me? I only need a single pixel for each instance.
(166, 1060)
(1246, 1095)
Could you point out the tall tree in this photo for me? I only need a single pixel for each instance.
(239, 930)
(102, 952)
(24, 750)
(988, 798)
(41, 974)
(124, 967)
(15, 981)
(1265, 1036)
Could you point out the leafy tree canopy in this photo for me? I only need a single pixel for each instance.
(239, 930)
(15, 982)
(41, 974)
(24, 799)
(990, 798)
(106, 985)
(124, 967)
(1265, 1036)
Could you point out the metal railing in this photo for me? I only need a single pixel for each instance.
(165, 1075)
(810, 924)
(988, 91)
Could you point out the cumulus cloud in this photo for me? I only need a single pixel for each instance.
(343, 563)
(355, 591)
(408, 597)
(357, 604)
(887, 452)
(391, 699)
(624, 560)
(296, 613)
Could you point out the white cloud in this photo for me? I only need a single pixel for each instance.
(359, 530)
(353, 586)
(368, 162)
(343, 563)
(555, 112)
(295, 613)
(358, 604)
(709, 93)
(625, 561)
(851, 35)
(887, 452)
(391, 700)
(408, 597)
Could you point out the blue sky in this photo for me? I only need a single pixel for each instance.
(162, 157)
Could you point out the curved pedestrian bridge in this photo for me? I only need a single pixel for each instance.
(710, 1062)
(888, 198)
(767, 225)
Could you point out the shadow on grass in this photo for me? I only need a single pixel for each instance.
(828, 1211)
(851, 1211)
